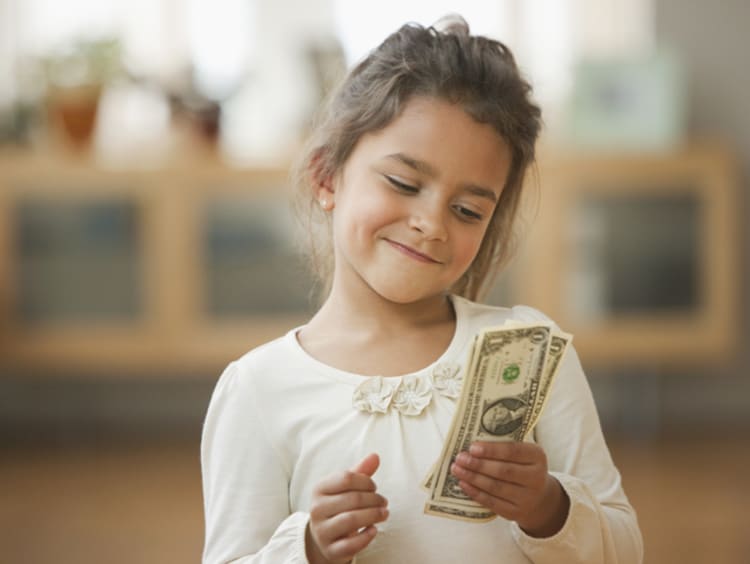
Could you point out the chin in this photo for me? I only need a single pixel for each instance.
(404, 294)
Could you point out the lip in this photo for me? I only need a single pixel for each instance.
(412, 253)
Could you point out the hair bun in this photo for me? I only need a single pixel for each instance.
(452, 23)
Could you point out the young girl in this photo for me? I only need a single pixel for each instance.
(315, 444)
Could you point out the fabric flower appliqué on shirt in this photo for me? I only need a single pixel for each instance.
(374, 394)
(411, 395)
(447, 379)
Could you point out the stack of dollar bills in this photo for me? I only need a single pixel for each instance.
(505, 386)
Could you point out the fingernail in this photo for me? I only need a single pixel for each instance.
(384, 512)
(476, 450)
(464, 458)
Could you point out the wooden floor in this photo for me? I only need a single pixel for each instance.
(143, 504)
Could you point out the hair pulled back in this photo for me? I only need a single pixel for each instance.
(445, 62)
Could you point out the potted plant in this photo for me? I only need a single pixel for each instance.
(76, 77)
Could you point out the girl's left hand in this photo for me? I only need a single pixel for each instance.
(512, 480)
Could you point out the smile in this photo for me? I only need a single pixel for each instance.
(411, 253)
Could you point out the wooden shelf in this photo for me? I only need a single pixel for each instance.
(700, 179)
(172, 331)
(176, 329)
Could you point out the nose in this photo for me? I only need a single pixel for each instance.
(430, 222)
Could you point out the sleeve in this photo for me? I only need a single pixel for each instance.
(245, 483)
(601, 527)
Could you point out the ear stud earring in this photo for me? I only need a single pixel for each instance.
(324, 204)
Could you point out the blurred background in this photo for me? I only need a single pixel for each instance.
(145, 242)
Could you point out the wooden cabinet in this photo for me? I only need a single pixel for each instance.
(179, 269)
(184, 268)
(639, 255)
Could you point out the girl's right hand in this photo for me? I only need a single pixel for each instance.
(343, 513)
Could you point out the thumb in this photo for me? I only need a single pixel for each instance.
(368, 465)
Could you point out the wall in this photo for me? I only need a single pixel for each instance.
(712, 39)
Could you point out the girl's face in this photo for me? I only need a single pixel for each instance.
(413, 201)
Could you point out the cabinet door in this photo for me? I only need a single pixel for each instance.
(76, 261)
(637, 255)
(251, 265)
(634, 254)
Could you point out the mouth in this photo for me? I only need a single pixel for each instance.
(412, 253)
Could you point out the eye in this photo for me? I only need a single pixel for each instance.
(467, 214)
(402, 187)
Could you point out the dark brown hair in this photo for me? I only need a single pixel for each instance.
(446, 62)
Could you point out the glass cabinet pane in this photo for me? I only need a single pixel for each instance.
(252, 266)
(635, 254)
(77, 261)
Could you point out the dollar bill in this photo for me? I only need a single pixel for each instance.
(465, 513)
(473, 355)
(505, 385)
(496, 401)
(557, 347)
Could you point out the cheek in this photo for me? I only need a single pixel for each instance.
(358, 220)
(371, 211)
(467, 249)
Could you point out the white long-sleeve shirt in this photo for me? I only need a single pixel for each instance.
(279, 421)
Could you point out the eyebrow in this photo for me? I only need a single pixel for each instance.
(419, 166)
(427, 169)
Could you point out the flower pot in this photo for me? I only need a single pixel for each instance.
(73, 110)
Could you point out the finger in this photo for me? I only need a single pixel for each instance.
(343, 524)
(500, 470)
(346, 481)
(501, 507)
(328, 506)
(348, 547)
(368, 465)
(511, 451)
(496, 488)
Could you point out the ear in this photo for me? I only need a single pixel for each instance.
(324, 193)
(323, 185)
